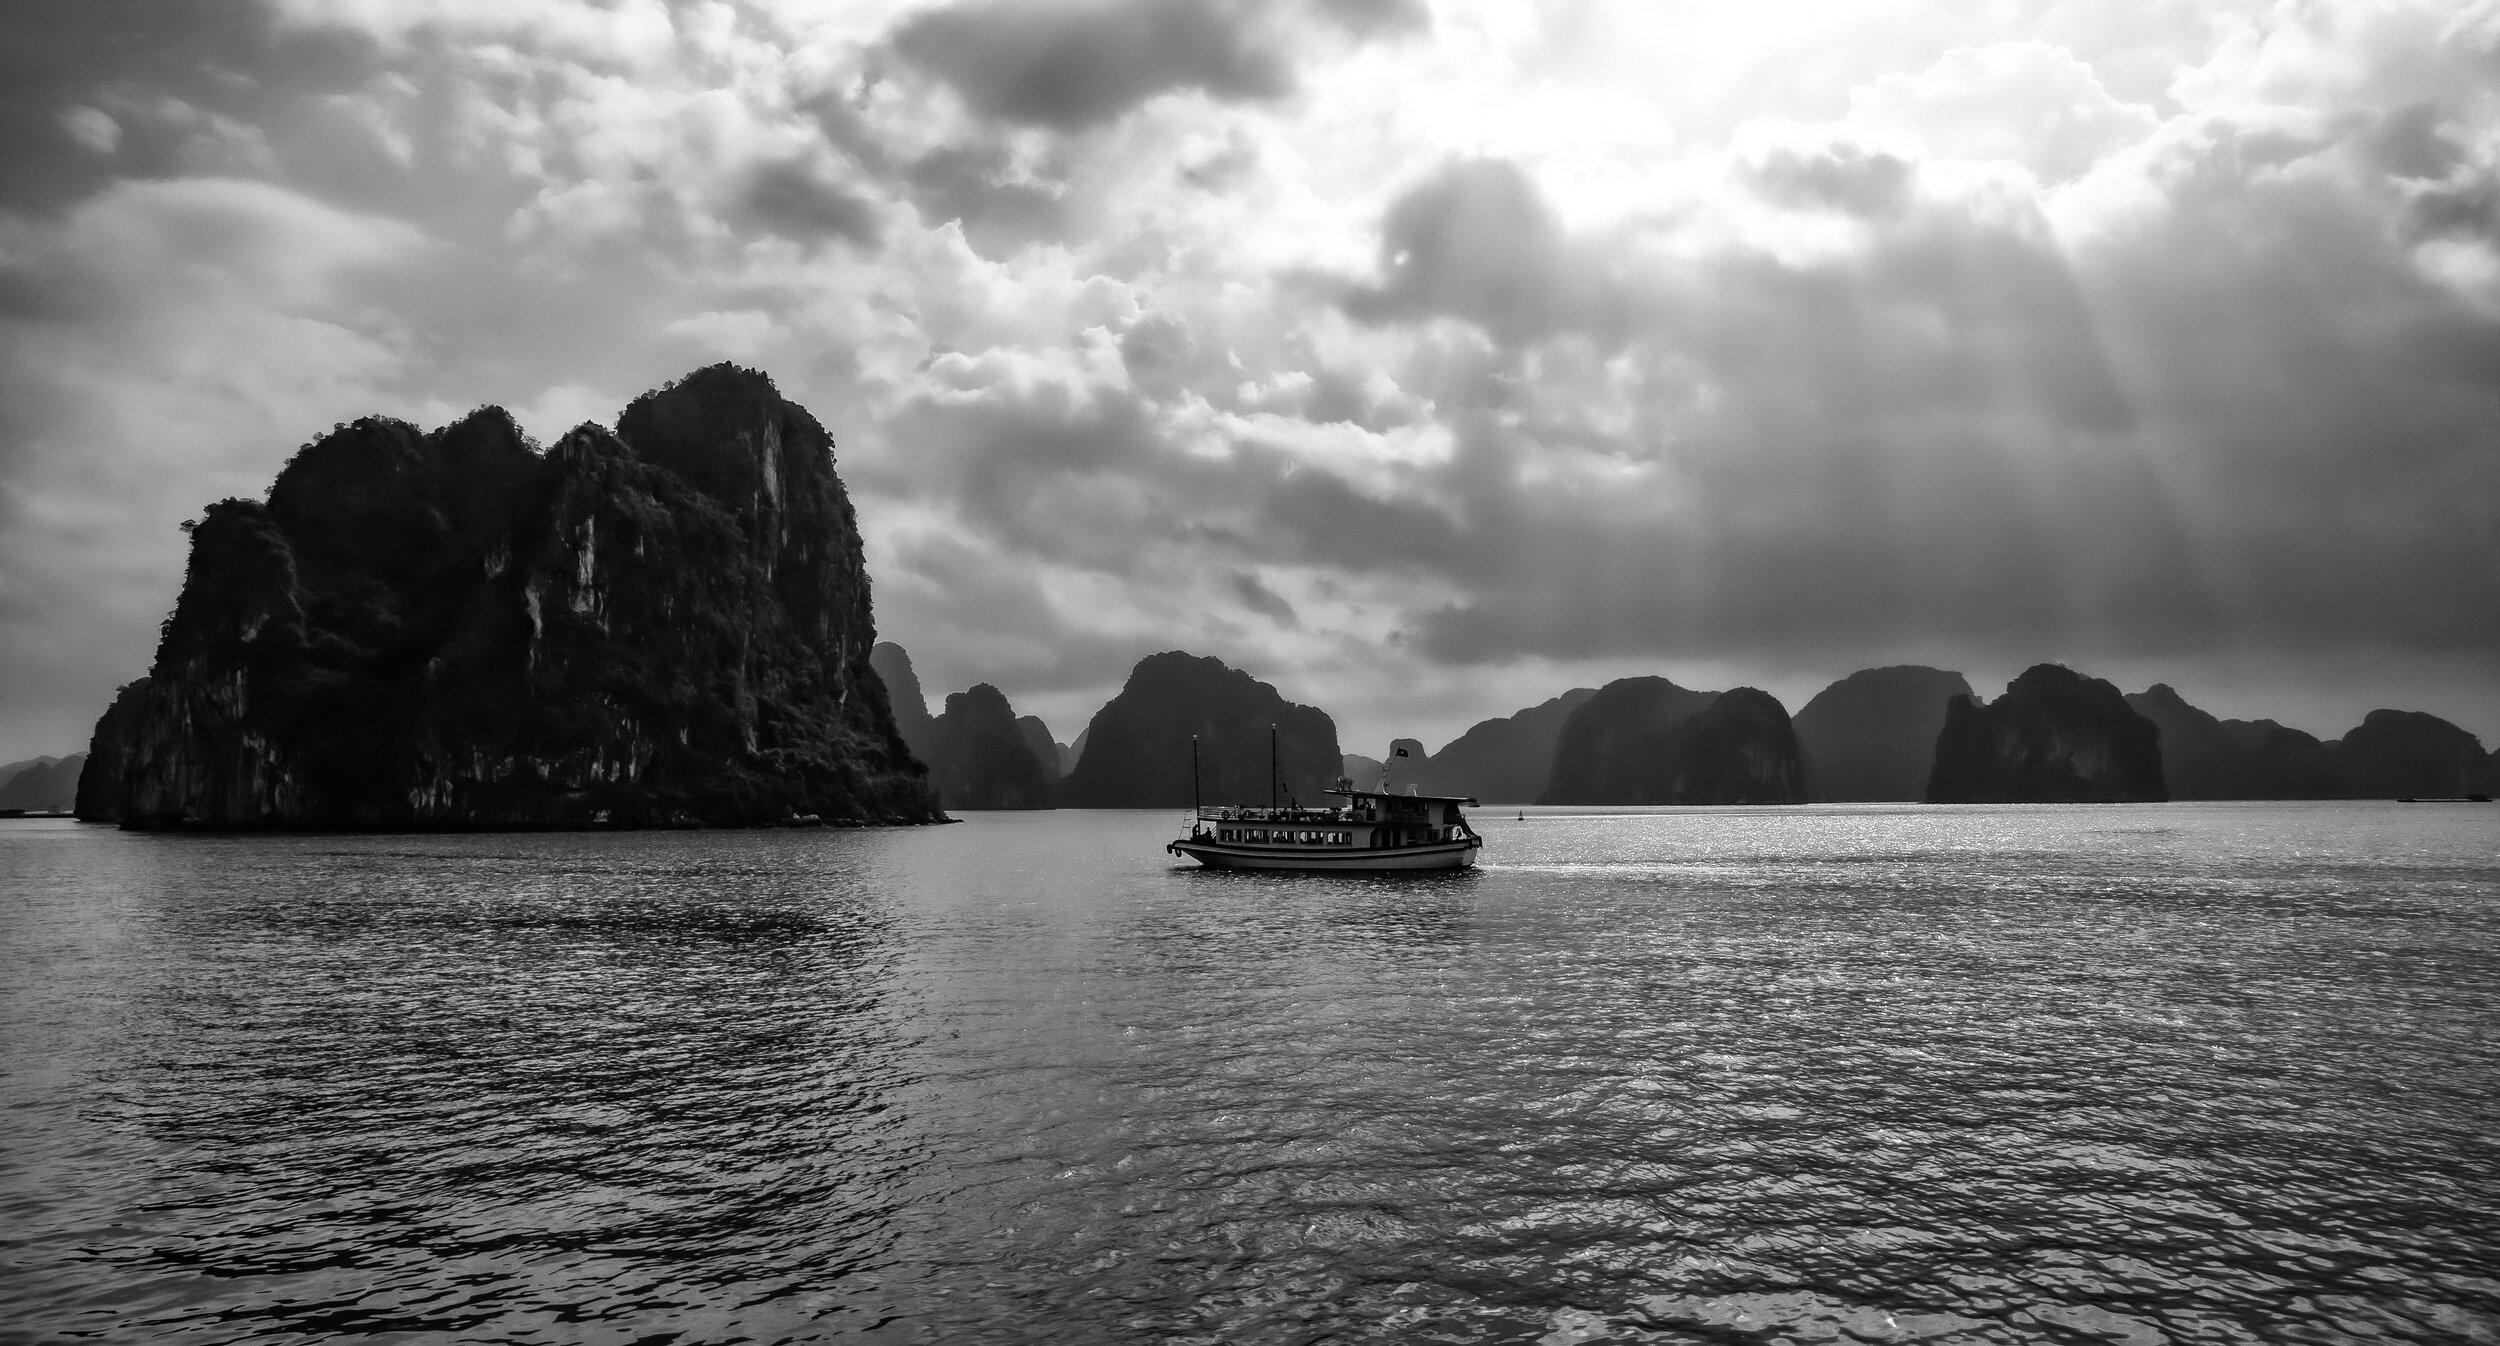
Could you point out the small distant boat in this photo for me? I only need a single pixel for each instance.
(1373, 831)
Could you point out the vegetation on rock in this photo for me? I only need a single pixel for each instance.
(1872, 735)
(980, 759)
(1648, 741)
(2203, 757)
(43, 784)
(2396, 754)
(1136, 752)
(1509, 760)
(2056, 736)
(667, 625)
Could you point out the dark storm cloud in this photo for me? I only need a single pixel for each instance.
(1256, 596)
(1929, 438)
(2413, 142)
(1843, 177)
(1075, 65)
(978, 187)
(798, 201)
(1096, 482)
(1477, 241)
(1370, 17)
(91, 90)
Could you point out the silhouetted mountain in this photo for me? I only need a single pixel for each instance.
(1402, 771)
(665, 625)
(101, 785)
(979, 759)
(1046, 750)
(2207, 758)
(2056, 736)
(902, 690)
(1504, 761)
(1648, 741)
(43, 785)
(2396, 754)
(1872, 735)
(1363, 771)
(1137, 748)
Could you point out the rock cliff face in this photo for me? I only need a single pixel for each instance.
(1136, 751)
(1504, 761)
(43, 785)
(2396, 754)
(2203, 757)
(1648, 741)
(2054, 737)
(1872, 735)
(667, 625)
(1412, 769)
(975, 760)
(902, 690)
(979, 759)
(1046, 750)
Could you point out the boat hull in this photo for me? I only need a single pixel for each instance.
(1439, 855)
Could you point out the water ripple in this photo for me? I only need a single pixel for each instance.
(1983, 1075)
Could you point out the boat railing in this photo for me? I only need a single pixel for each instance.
(1250, 813)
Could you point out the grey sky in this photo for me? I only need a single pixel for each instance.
(1424, 359)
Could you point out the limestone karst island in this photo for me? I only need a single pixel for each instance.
(667, 625)
(670, 625)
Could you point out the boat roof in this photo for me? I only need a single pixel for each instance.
(1351, 793)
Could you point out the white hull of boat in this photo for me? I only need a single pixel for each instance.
(1223, 855)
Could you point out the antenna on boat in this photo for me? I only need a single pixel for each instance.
(1271, 766)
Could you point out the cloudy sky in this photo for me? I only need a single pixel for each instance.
(1423, 357)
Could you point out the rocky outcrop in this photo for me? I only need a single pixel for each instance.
(1648, 741)
(1504, 761)
(975, 759)
(1405, 764)
(1046, 750)
(43, 785)
(2203, 757)
(902, 691)
(2398, 754)
(1136, 751)
(1872, 735)
(979, 759)
(2056, 736)
(667, 625)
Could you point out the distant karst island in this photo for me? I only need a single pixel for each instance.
(1898, 734)
(670, 625)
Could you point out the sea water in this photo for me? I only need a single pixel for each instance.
(2075, 1074)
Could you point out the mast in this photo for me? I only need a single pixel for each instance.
(1271, 766)
(1193, 782)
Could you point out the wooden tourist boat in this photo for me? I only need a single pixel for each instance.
(1372, 830)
